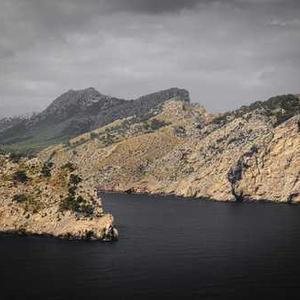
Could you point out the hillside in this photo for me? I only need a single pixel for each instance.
(74, 113)
(248, 154)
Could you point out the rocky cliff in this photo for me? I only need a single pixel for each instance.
(272, 170)
(248, 154)
(40, 198)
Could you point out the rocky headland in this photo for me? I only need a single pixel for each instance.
(39, 198)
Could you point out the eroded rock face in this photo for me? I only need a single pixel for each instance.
(273, 172)
(43, 199)
(110, 233)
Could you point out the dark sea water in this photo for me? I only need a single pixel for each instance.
(169, 248)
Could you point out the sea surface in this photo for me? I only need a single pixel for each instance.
(169, 248)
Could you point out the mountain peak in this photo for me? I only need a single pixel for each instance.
(75, 100)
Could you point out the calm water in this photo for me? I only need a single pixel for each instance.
(168, 247)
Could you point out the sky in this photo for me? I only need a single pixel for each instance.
(226, 53)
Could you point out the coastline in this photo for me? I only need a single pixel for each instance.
(95, 229)
(183, 197)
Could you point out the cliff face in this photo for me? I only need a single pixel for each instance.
(40, 198)
(247, 154)
(273, 171)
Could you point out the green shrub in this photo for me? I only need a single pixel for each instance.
(69, 203)
(20, 198)
(77, 205)
(20, 176)
(281, 107)
(68, 166)
(107, 139)
(72, 190)
(46, 170)
(156, 124)
(73, 203)
(74, 180)
(87, 209)
(15, 157)
(93, 135)
(179, 131)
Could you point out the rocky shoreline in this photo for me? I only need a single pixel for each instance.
(110, 234)
(162, 194)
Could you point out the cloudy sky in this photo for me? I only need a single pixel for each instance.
(226, 52)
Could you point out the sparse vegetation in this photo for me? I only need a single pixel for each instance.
(76, 204)
(74, 180)
(107, 139)
(154, 124)
(46, 169)
(68, 166)
(15, 157)
(79, 142)
(20, 198)
(94, 135)
(180, 131)
(29, 203)
(281, 107)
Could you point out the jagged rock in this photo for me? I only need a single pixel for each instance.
(110, 234)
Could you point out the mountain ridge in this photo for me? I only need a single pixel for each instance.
(76, 112)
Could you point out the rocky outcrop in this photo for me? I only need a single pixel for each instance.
(40, 198)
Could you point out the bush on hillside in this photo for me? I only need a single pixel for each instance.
(68, 166)
(15, 157)
(20, 176)
(76, 204)
(20, 198)
(46, 169)
(156, 124)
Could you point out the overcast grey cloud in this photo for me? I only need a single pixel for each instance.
(226, 53)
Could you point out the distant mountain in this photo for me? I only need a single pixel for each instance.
(76, 112)
(9, 122)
